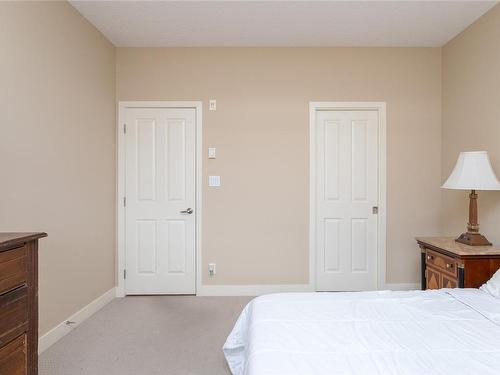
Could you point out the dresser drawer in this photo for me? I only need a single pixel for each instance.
(441, 262)
(13, 314)
(13, 358)
(13, 268)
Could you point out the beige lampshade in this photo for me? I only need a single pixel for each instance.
(473, 172)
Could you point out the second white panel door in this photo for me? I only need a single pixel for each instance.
(347, 192)
(160, 201)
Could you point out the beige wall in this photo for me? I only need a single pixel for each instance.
(57, 149)
(255, 227)
(57, 144)
(471, 117)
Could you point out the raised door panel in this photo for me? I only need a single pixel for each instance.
(331, 159)
(332, 245)
(146, 246)
(359, 160)
(359, 245)
(176, 159)
(175, 244)
(146, 159)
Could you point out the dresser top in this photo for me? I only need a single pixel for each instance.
(449, 244)
(9, 239)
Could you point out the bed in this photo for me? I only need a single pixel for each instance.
(446, 331)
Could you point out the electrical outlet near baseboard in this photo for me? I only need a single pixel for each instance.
(211, 269)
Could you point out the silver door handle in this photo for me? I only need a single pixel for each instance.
(188, 211)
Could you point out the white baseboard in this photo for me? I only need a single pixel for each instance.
(120, 292)
(62, 329)
(251, 290)
(257, 290)
(401, 286)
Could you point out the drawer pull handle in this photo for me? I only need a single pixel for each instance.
(430, 257)
(449, 265)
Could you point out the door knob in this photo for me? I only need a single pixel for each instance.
(188, 211)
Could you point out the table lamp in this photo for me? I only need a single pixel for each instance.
(473, 172)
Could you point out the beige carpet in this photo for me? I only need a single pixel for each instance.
(148, 336)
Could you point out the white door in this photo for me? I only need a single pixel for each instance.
(346, 200)
(160, 201)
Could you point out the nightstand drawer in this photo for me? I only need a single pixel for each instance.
(441, 262)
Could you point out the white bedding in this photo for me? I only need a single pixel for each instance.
(447, 331)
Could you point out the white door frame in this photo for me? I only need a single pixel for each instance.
(120, 160)
(380, 107)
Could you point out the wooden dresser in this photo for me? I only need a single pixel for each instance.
(449, 264)
(19, 303)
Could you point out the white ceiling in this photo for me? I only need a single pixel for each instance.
(281, 23)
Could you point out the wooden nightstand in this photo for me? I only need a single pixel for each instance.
(449, 264)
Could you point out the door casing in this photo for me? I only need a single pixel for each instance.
(120, 165)
(380, 107)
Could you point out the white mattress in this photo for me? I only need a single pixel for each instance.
(447, 331)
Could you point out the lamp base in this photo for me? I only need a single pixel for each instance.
(473, 239)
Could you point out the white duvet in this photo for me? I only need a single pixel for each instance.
(447, 331)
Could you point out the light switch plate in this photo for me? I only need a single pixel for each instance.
(213, 180)
(211, 269)
(212, 105)
(211, 152)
